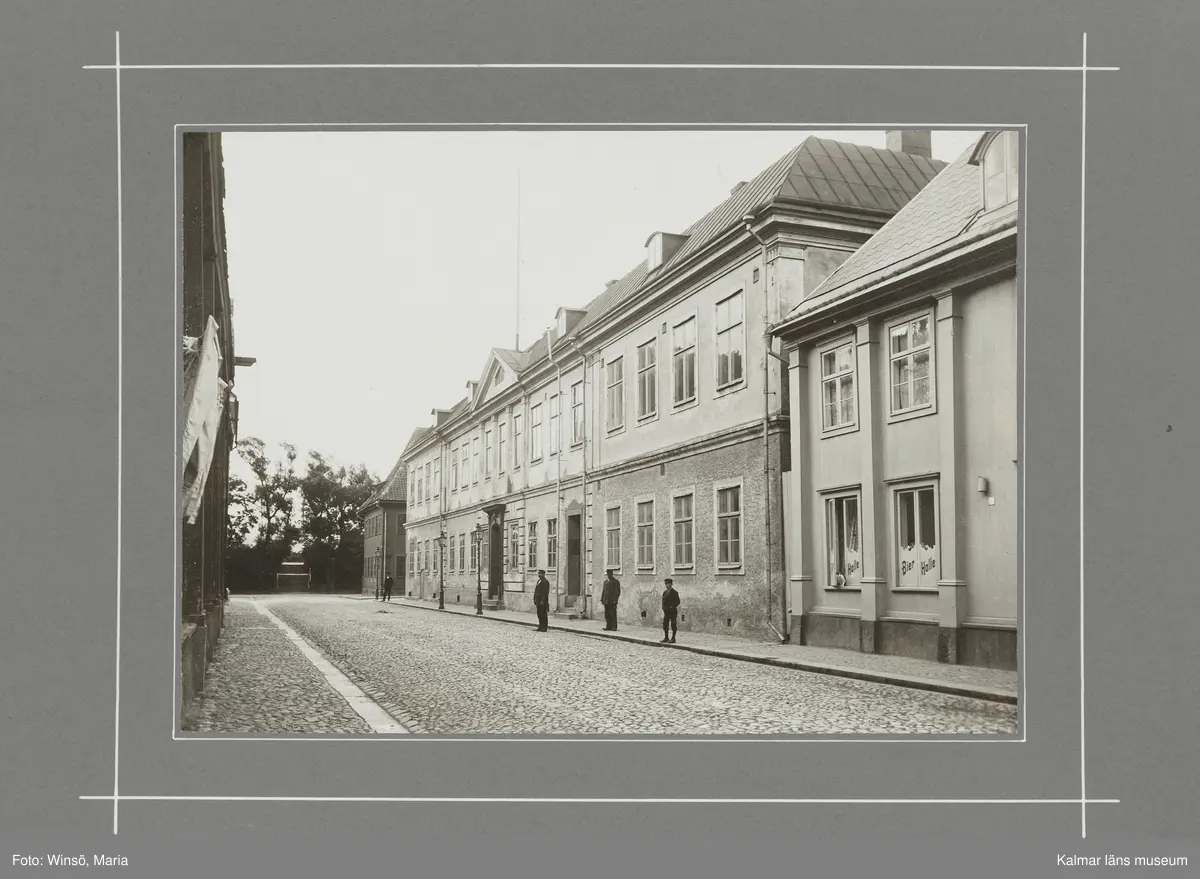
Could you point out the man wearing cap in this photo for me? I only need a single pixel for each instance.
(609, 596)
(670, 608)
(541, 600)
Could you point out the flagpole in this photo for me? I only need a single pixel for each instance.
(518, 312)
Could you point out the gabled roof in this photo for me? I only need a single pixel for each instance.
(946, 214)
(818, 172)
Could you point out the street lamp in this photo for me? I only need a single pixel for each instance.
(440, 540)
(480, 529)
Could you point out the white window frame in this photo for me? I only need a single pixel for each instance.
(512, 558)
(647, 374)
(466, 463)
(475, 468)
(694, 349)
(501, 429)
(454, 469)
(476, 546)
(929, 408)
(518, 453)
(462, 551)
(840, 428)
(437, 476)
(578, 422)
(412, 556)
(852, 577)
(677, 566)
(611, 410)
(531, 538)
(428, 480)
(738, 328)
(535, 433)
(720, 567)
(1006, 147)
(639, 565)
(555, 424)
(487, 453)
(451, 557)
(428, 553)
(608, 529)
(896, 490)
(552, 545)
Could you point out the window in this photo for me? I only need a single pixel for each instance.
(647, 380)
(454, 470)
(645, 535)
(845, 551)
(514, 546)
(683, 347)
(612, 538)
(837, 387)
(615, 396)
(451, 558)
(532, 526)
(428, 482)
(501, 429)
(462, 552)
(916, 537)
(412, 556)
(910, 358)
(729, 527)
(437, 476)
(681, 527)
(420, 485)
(475, 459)
(535, 432)
(419, 568)
(517, 451)
(412, 488)
(730, 340)
(437, 556)
(1000, 170)
(577, 413)
(487, 453)
(554, 435)
(552, 544)
(466, 464)
(474, 554)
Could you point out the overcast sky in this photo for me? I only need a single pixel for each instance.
(372, 272)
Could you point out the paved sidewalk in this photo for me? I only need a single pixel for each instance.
(994, 685)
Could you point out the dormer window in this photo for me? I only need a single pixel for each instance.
(654, 252)
(1000, 170)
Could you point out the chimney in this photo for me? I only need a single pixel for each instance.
(611, 284)
(737, 187)
(912, 141)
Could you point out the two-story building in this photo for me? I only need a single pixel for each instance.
(646, 432)
(903, 365)
(383, 515)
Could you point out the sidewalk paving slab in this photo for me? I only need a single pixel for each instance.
(993, 685)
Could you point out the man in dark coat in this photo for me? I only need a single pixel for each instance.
(670, 608)
(541, 601)
(609, 596)
(387, 588)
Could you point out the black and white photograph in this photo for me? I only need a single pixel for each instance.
(541, 433)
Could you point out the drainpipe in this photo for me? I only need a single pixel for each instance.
(748, 219)
(583, 523)
(558, 457)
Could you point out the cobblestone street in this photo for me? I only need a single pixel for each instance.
(449, 674)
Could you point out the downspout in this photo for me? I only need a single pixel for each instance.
(583, 592)
(748, 219)
(558, 458)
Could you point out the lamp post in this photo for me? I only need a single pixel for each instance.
(478, 533)
(440, 540)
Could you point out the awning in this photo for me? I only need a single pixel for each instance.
(203, 403)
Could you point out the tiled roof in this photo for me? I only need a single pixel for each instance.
(819, 172)
(946, 214)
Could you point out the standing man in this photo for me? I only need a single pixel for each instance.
(387, 588)
(609, 596)
(670, 608)
(541, 600)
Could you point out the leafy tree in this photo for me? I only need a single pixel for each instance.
(267, 505)
(330, 528)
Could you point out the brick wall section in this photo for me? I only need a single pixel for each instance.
(710, 601)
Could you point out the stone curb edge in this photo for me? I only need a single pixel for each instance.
(986, 694)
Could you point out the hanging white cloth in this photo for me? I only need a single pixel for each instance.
(203, 404)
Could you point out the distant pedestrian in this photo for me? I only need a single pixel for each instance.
(609, 596)
(387, 588)
(670, 608)
(541, 601)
